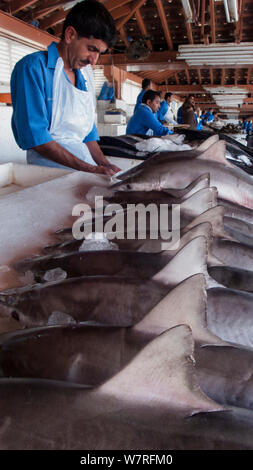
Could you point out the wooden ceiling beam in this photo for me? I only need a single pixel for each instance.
(176, 78)
(52, 20)
(222, 76)
(239, 23)
(248, 75)
(142, 27)
(236, 77)
(17, 29)
(199, 76)
(134, 6)
(203, 18)
(212, 20)
(120, 12)
(163, 19)
(211, 76)
(123, 36)
(187, 76)
(113, 4)
(16, 5)
(36, 13)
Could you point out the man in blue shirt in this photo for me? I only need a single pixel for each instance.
(53, 109)
(146, 85)
(144, 119)
(165, 114)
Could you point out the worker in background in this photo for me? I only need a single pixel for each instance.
(208, 116)
(106, 92)
(146, 85)
(188, 112)
(145, 118)
(165, 113)
(53, 94)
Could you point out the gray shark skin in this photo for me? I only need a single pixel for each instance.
(233, 254)
(232, 183)
(144, 263)
(237, 211)
(229, 315)
(233, 278)
(91, 354)
(86, 298)
(165, 409)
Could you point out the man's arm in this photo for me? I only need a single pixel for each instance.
(99, 157)
(54, 151)
(152, 122)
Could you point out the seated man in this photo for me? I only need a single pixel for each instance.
(165, 113)
(144, 119)
(53, 94)
(146, 85)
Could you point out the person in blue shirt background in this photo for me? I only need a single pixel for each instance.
(53, 94)
(146, 85)
(208, 116)
(164, 113)
(145, 119)
(106, 92)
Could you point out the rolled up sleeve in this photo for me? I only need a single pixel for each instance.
(30, 122)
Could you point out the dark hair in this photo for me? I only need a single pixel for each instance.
(150, 95)
(145, 82)
(91, 19)
(167, 95)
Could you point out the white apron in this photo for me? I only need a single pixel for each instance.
(73, 114)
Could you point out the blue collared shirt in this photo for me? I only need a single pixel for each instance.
(162, 110)
(143, 120)
(32, 97)
(139, 100)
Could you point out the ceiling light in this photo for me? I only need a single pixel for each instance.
(216, 54)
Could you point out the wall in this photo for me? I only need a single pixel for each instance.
(9, 150)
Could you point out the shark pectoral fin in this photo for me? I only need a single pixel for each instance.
(163, 372)
(190, 260)
(186, 303)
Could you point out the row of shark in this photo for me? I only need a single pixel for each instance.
(130, 346)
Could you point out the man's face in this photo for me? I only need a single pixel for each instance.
(82, 51)
(192, 101)
(154, 104)
(169, 99)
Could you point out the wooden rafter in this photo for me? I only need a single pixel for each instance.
(211, 76)
(176, 78)
(120, 12)
(199, 76)
(188, 29)
(112, 4)
(203, 18)
(17, 29)
(187, 76)
(123, 36)
(142, 27)
(57, 17)
(163, 19)
(239, 23)
(37, 13)
(134, 6)
(222, 76)
(236, 76)
(212, 20)
(16, 5)
(248, 75)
